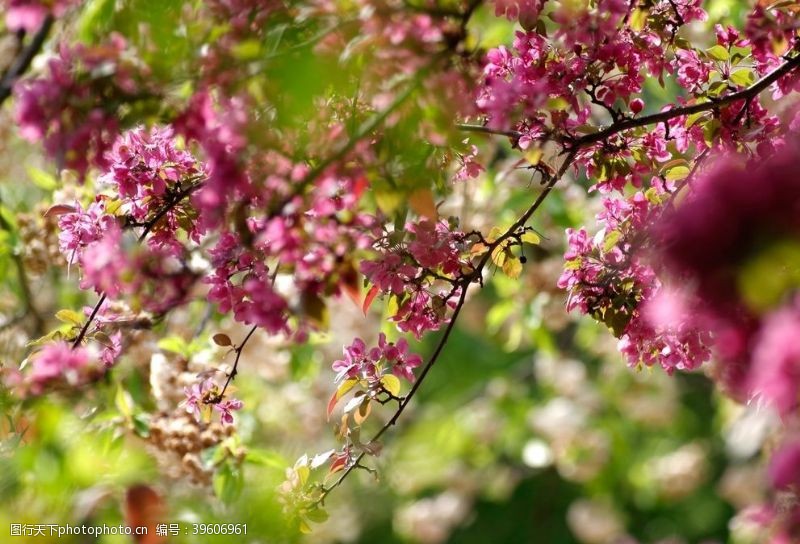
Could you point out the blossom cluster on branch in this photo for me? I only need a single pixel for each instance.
(216, 184)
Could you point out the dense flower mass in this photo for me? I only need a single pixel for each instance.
(415, 267)
(71, 108)
(610, 278)
(281, 155)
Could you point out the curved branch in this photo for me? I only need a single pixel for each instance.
(235, 370)
(747, 94)
(174, 201)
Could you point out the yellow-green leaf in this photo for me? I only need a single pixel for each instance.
(512, 268)
(70, 316)
(718, 52)
(530, 237)
(744, 77)
(391, 383)
(677, 173)
(42, 179)
(124, 402)
(346, 386)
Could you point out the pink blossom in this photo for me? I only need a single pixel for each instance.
(110, 352)
(784, 467)
(69, 110)
(692, 72)
(202, 397)
(775, 369)
(371, 364)
(58, 360)
(225, 409)
(82, 228)
(389, 273)
(29, 15)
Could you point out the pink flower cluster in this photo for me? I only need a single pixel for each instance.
(148, 172)
(71, 109)
(371, 364)
(314, 246)
(594, 57)
(217, 125)
(411, 264)
(202, 397)
(610, 278)
(59, 361)
(150, 278)
(143, 165)
(81, 228)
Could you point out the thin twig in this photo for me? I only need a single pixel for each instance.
(174, 201)
(466, 283)
(24, 59)
(464, 127)
(235, 370)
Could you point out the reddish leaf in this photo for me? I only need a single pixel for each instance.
(59, 209)
(421, 201)
(144, 507)
(371, 294)
(359, 186)
(346, 386)
(222, 339)
(349, 283)
(338, 464)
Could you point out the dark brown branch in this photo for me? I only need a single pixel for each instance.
(514, 134)
(24, 59)
(235, 370)
(172, 202)
(747, 94)
(467, 281)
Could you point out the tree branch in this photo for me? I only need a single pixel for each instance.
(24, 59)
(615, 128)
(235, 370)
(173, 201)
(745, 94)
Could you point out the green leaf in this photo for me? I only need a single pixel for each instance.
(124, 402)
(267, 458)
(391, 383)
(611, 240)
(717, 88)
(530, 237)
(141, 425)
(174, 344)
(247, 50)
(42, 179)
(317, 515)
(70, 316)
(228, 483)
(677, 173)
(744, 77)
(512, 267)
(718, 52)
